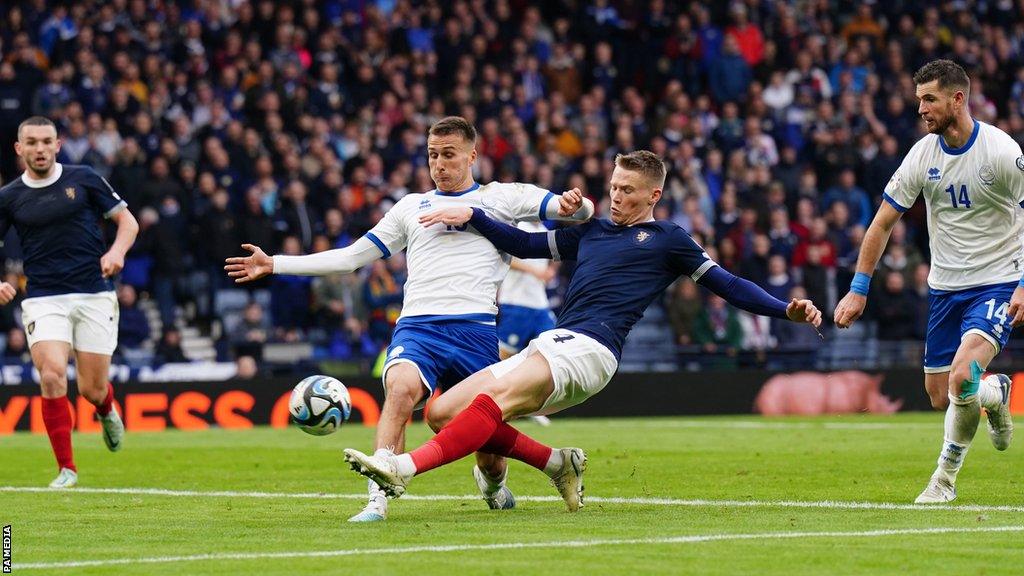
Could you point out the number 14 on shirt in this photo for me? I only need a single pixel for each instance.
(964, 198)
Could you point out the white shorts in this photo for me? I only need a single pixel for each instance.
(580, 366)
(86, 321)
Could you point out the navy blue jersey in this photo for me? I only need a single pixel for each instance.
(621, 270)
(58, 224)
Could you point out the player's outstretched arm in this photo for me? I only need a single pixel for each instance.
(507, 238)
(746, 295)
(852, 305)
(127, 229)
(340, 261)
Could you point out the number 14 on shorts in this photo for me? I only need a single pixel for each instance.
(993, 311)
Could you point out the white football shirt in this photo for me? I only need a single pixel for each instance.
(974, 196)
(522, 289)
(455, 271)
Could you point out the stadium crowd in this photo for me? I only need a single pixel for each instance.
(295, 125)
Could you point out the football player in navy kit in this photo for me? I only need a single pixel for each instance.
(55, 210)
(623, 264)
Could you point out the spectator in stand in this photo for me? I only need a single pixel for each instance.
(684, 305)
(382, 293)
(290, 297)
(169, 350)
(717, 329)
(252, 331)
(133, 328)
(16, 349)
(895, 309)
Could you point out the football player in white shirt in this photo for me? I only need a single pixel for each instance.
(447, 328)
(971, 175)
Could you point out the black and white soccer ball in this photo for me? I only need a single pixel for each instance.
(319, 405)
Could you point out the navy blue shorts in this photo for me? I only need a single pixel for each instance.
(517, 325)
(445, 350)
(954, 313)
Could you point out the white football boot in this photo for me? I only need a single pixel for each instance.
(938, 491)
(569, 480)
(113, 430)
(66, 478)
(380, 469)
(1000, 423)
(495, 492)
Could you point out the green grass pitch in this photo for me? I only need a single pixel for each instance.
(719, 495)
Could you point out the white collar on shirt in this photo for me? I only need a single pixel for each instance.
(58, 169)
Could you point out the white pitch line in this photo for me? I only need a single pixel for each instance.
(756, 425)
(825, 504)
(513, 546)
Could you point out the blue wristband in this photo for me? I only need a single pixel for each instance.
(861, 282)
(1021, 283)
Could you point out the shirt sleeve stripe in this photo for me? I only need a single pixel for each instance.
(120, 206)
(544, 206)
(707, 265)
(383, 249)
(894, 203)
(553, 245)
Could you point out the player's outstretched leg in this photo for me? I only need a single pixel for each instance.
(994, 393)
(496, 494)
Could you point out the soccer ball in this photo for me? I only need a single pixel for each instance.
(319, 405)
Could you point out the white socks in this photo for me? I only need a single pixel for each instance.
(405, 466)
(990, 394)
(555, 462)
(961, 423)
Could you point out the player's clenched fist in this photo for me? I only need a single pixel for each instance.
(249, 268)
(111, 263)
(7, 292)
(803, 311)
(570, 202)
(849, 309)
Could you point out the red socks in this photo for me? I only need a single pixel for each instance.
(57, 418)
(104, 408)
(465, 434)
(479, 427)
(507, 441)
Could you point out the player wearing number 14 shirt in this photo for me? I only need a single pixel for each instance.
(971, 175)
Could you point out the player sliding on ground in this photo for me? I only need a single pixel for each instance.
(447, 330)
(623, 265)
(972, 178)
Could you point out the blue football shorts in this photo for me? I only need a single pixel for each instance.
(445, 351)
(517, 325)
(952, 314)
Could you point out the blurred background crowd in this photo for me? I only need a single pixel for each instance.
(295, 125)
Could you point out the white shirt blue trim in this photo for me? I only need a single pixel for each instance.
(965, 147)
(384, 249)
(896, 204)
(475, 186)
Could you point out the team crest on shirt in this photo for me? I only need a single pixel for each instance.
(934, 174)
(642, 236)
(425, 203)
(986, 174)
(70, 192)
(1020, 162)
